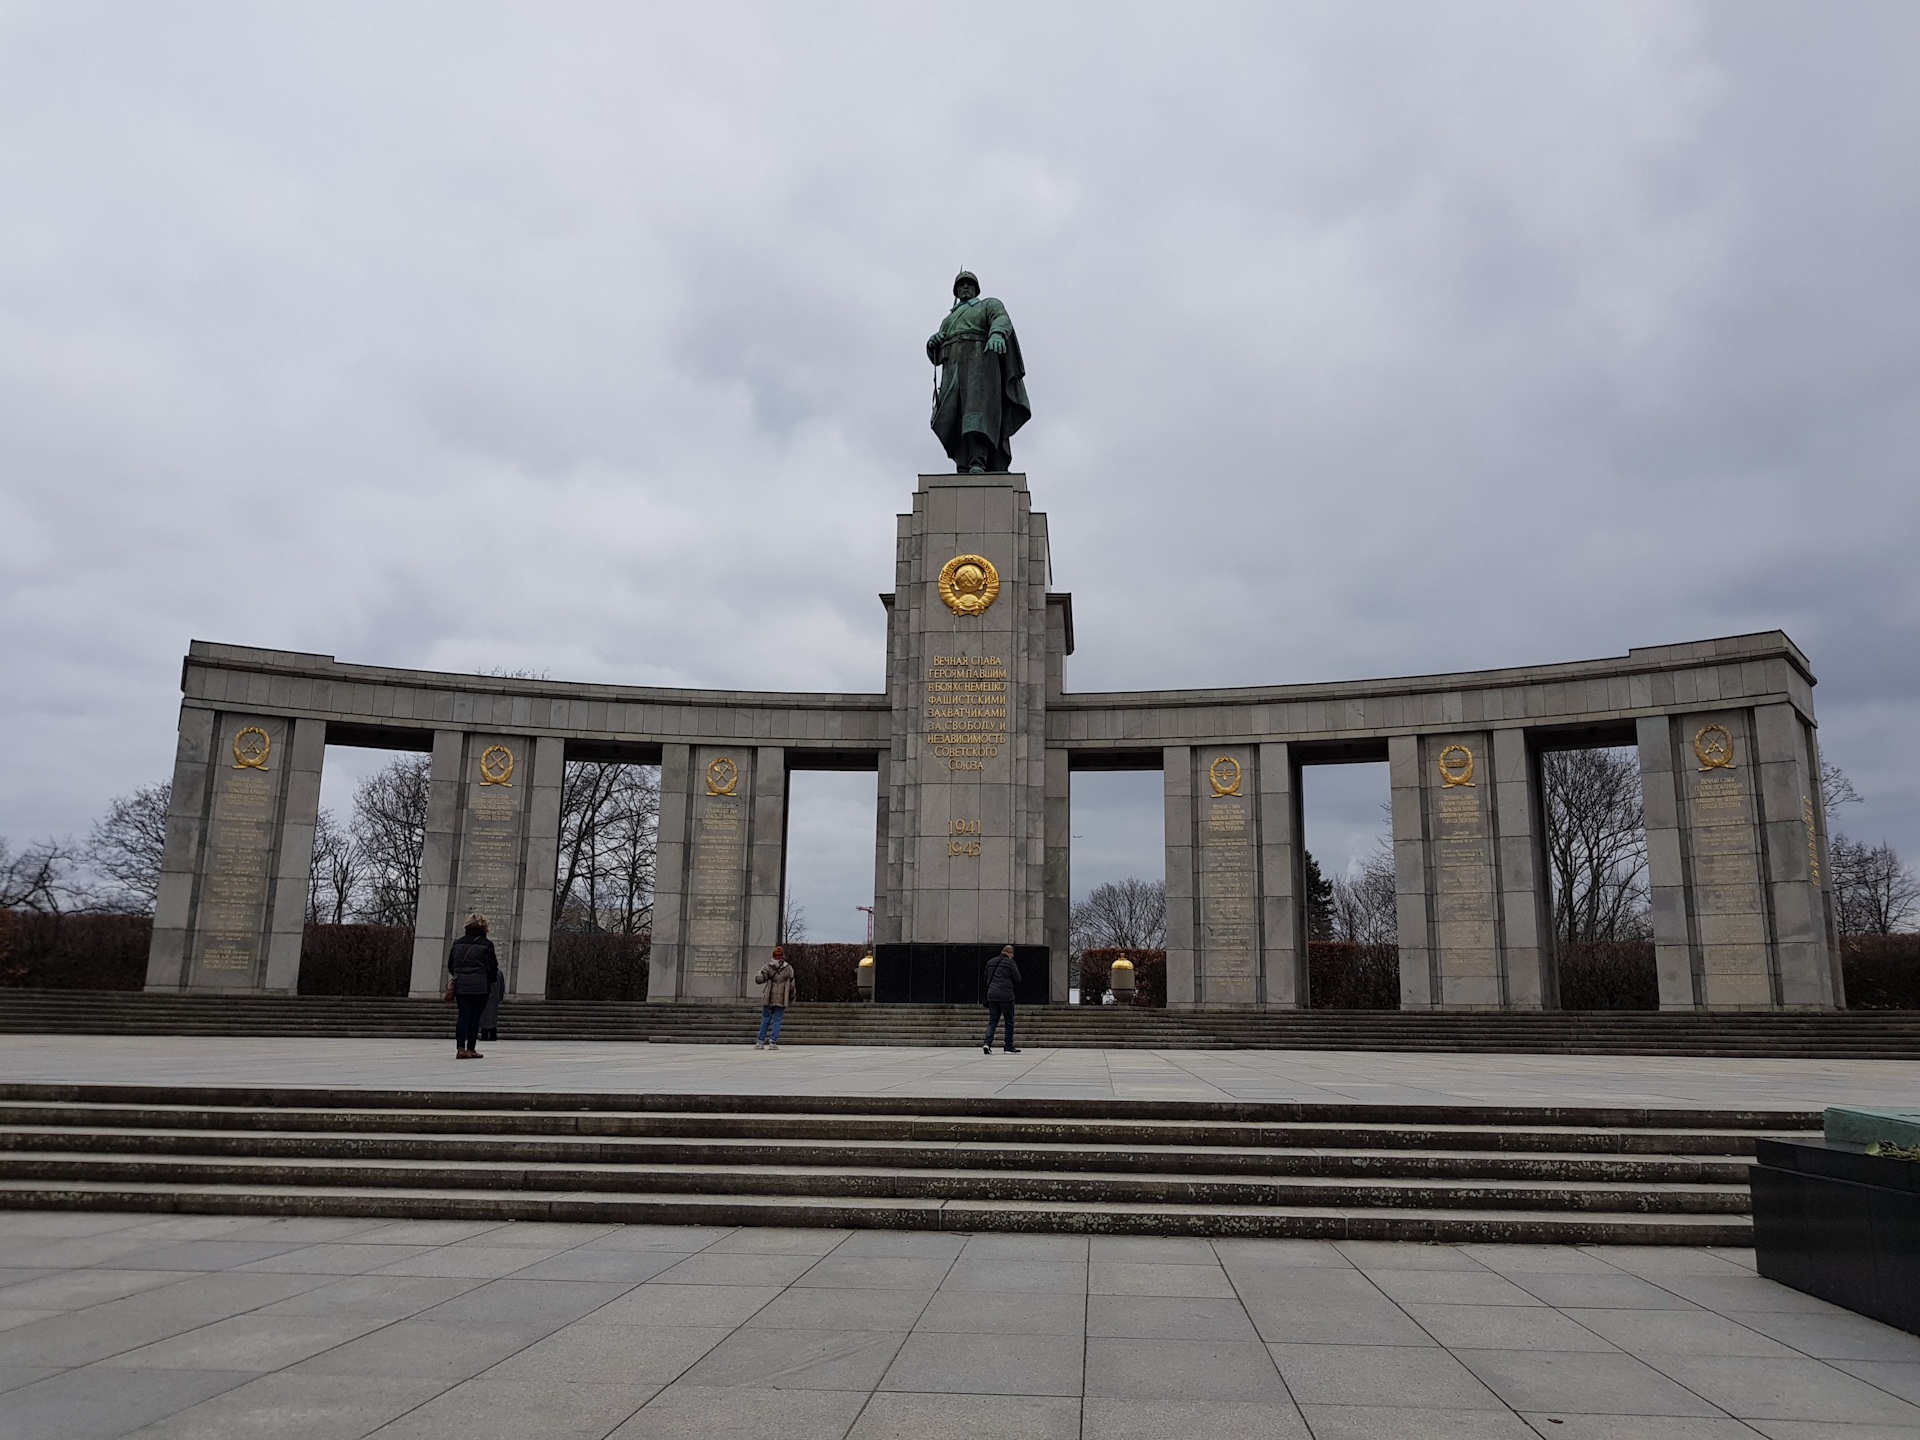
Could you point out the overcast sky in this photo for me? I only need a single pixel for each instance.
(1363, 340)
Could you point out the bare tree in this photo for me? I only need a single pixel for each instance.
(1596, 845)
(609, 834)
(1121, 915)
(1873, 892)
(127, 842)
(335, 883)
(793, 923)
(389, 831)
(45, 877)
(1365, 901)
(1835, 788)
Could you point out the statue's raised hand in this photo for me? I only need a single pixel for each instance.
(997, 344)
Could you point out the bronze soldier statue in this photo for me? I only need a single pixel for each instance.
(981, 397)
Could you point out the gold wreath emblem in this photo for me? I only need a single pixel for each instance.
(722, 776)
(496, 766)
(1714, 745)
(1456, 766)
(1230, 766)
(251, 746)
(969, 584)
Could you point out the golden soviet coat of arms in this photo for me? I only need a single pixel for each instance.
(969, 584)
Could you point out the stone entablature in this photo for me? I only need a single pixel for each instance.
(975, 741)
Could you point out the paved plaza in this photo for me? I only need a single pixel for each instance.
(305, 1328)
(603, 1067)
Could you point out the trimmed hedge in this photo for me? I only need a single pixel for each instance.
(595, 965)
(1882, 972)
(1149, 976)
(1343, 975)
(1608, 975)
(356, 960)
(41, 951)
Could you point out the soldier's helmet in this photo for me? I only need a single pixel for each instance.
(965, 275)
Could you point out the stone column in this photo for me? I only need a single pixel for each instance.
(1059, 873)
(549, 770)
(1282, 933)
(767, 867)
(1419, 976)
(719, 869)
(180, 861)
(232, 853)
(431, 939)
(1734, 857)
(665, 961)
(300, 815)
(1787, 757)
(1525, 914)
(1452, 828)
(1182, 903)
(1226, 855)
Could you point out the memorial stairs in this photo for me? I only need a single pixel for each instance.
(1864, 1035)
(1439, 1173)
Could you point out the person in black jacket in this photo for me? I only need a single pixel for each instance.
(1002, 974)
(474, 968)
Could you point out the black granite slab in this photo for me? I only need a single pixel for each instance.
(1835, 1222)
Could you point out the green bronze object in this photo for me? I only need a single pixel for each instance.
(981, 397)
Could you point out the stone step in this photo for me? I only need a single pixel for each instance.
(1854, 1034)
(476, 1148)
(55, 1168)
(964, 1216)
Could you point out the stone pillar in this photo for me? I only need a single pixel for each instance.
(431, 940)
(665, 967)
(1059, 873)
(180, 861)
(542, 865)
(719, 869)
(476, 859)
(1787, 758)
(1282, 931)
(240, 844)
(1734, 851)
(1182, 904)
(300, 815)
(1525, 914)
(967, 782)
(1466, 870)
(1419, 976)
(767, 866)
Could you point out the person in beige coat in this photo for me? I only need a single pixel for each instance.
(777, 976)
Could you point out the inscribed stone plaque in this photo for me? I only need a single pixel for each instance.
(717, 874)
(1724, 844)
(1229, 934)
(1457, 781)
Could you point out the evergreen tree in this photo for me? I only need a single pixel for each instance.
(1319, 898)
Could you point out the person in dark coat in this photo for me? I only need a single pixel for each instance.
(1002, 974)
(490, 1017)
(474, 968)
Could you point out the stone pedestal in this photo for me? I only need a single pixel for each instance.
(966, 781)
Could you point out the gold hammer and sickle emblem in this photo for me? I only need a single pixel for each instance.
(722, 776)
(1228, 767)
(1714, 745)
(496, 766)
(1456, 766)
(969, 584)
(251, 746)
